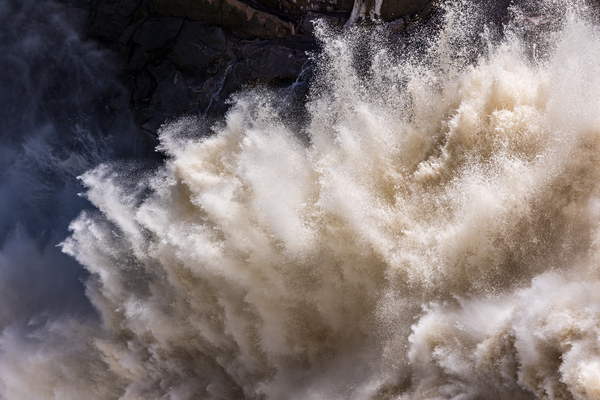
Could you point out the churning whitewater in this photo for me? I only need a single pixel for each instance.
(428, 229)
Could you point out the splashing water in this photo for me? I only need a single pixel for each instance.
(430, 233)
(56, 92)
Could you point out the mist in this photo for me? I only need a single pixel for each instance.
(426, 228)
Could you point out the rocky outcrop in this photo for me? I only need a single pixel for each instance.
(188, 56)
(248, 20)
(179, 66)
(182, 57)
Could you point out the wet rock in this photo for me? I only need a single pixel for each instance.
(198, 45)
(391, 10)
(236, 15)
(109, 18)
(151, 36)
(271, 63)
(143, 87)
(156, 33)
(189, 56)
(172, 95)
(307, 23)
(299, 8)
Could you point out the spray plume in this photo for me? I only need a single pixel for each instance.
(429, 232)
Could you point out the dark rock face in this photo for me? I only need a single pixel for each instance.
(248, 20)
(198, 46)
(180, 57)
(391, 10)
(188, 56)
(110, 18)
(176, 59)
(179, 66)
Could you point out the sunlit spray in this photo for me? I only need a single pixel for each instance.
(430, 232)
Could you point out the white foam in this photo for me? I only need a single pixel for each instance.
(437, 239)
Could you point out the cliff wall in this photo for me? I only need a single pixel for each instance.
(188, 56)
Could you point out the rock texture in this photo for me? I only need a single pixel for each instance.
(249, 20)
(182, 57)
(188, 56)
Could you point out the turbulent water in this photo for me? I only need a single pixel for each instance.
(60, 115)
(55, 95)
(428, 229)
